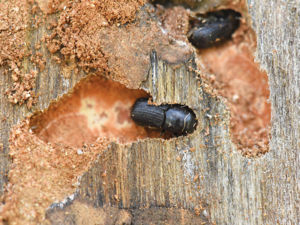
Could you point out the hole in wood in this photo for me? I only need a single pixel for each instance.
(96, 108)
(212, 29)
(230, 69)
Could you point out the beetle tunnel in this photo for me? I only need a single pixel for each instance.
(229, 69)
(96, 108)
(227, 65)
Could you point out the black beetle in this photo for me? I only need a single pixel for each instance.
(174, 118)
(214, 28)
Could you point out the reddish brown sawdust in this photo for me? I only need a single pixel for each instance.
(176, 21)
(38, 60)
(104, 43)
(96, 108)
(22, 90)
(75, 34)
(231, 70)
(51, 6)
(13, 23)
(42, 173)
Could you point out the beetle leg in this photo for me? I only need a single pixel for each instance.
(162, 132)
(175, 134)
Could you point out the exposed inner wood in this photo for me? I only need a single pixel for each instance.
(230, 69)
(97, 108)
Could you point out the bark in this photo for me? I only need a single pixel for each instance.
(202, 172)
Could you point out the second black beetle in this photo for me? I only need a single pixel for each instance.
(218, 27)
(174, 118)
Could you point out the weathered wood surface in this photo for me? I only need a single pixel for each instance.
(230, 189)
(277, 24)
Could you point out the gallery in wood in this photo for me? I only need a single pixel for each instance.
(73, 155)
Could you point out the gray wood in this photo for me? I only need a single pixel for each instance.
(277, 24)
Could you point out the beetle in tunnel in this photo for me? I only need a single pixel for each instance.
(213, 28)
(174, 118)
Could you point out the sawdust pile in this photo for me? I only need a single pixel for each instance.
(77, 34)
(22, 90)
(48, 172)
(13, 24)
